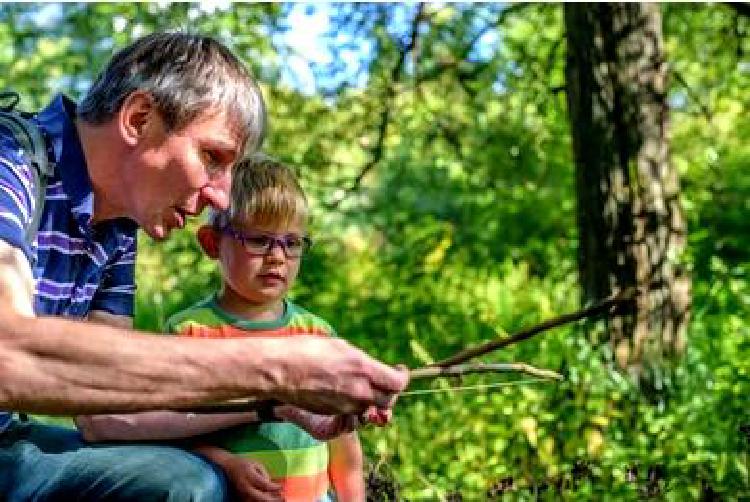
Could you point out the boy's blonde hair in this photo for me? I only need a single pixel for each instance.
(264, 192)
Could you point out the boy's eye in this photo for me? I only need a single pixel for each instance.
(294, 242)
(257, 242)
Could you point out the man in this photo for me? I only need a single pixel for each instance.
(152, 143)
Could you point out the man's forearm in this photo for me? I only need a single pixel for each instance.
(59, 366)
(51, 365)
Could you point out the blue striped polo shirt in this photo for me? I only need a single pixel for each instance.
(78, 267)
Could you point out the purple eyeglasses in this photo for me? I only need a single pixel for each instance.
(261, 243)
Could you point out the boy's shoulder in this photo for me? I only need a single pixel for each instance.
(202, 312)
(300, 317)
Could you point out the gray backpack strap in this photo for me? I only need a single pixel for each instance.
(34, 147)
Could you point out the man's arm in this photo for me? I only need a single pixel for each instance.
(59, 366)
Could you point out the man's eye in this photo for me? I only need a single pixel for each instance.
(211, 160)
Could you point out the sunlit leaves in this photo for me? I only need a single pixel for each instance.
(463, 229)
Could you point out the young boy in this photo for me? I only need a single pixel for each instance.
(258, 244)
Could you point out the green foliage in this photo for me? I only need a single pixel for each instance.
(461, 228)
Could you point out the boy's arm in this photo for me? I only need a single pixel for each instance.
(345, 468)
(150, 425)
(118, 321)
(156, 425)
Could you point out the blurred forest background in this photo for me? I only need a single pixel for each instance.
(436, 142)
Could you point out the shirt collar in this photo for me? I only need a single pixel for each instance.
(57, 121)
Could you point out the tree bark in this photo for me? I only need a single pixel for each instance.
(631, 228)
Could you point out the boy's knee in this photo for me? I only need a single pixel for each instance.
(166, 475)
(199, 483)
(206, 487)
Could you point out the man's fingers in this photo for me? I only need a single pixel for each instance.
(330, 376)
(389, 384)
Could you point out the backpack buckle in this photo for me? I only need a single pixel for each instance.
(8, 100)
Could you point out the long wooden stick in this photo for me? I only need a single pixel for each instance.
(480, 350)
(454, 365)
(465, 369)
(250, 404)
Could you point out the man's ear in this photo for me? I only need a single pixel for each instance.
(137, 116)
(209, 238)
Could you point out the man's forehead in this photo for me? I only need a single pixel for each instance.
(218, 128)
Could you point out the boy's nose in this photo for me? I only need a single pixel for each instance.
(277, 251)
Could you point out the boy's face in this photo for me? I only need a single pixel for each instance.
(258, 278)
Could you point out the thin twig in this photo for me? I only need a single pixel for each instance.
(602, 307)
(465, 369)
(705, 111)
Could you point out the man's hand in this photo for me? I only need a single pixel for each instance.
(249, 479)
(330, 376)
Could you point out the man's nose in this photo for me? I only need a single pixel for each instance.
(216, 192)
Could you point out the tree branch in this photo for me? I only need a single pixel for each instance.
(376, 154)
(693, 95)
(603, 307)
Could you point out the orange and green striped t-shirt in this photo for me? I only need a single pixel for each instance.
(291, 456)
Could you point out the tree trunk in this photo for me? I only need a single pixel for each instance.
(631, 228)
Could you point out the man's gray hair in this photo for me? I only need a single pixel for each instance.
(187, 74)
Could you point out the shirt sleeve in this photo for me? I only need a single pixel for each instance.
(116, 292)
(16, 195)
(170, 326)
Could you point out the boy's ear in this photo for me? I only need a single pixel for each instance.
(208, 238)
(137, 114)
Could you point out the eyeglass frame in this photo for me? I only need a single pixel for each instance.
(274, 239)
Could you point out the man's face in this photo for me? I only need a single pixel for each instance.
(175, 174)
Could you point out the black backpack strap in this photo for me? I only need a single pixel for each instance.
(34, 147)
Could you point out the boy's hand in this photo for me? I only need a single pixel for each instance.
(325, 427)
(377, 416)
(249, 479)
(321, 427)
